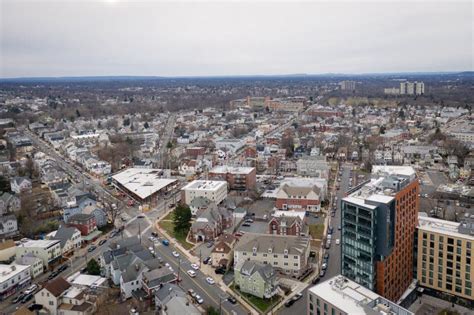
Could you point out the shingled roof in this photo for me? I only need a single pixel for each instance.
(57, 286)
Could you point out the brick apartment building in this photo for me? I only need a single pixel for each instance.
(239, 178)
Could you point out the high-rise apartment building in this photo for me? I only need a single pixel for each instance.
(379, 219)
(348, 85)
(412, 88)
(444, 256)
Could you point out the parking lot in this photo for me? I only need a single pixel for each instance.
(261, 208)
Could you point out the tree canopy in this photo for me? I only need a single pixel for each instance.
(182, 219)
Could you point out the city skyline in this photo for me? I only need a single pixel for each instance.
(155, 38)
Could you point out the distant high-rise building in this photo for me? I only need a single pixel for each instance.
(412, 88)
(348, 85)
(379, 220)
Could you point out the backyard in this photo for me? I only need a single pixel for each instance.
(262, 305)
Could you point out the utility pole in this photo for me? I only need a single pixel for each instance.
(200, 258)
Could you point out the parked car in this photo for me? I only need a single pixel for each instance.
(246, 224)
(18, 298)
(191, 273)
(315, 280)
(62, 268)
(324, 266)
(210, 280)
(206, 260)
(220, 271)
(165, 242)
(322, 273)
(198, 299)
(175, 254)
(32, 288)
(297, 296)
(192, 293)
(338, 241)
(289, 303)
(154, 234)
(91, 248)
(195, 266)
(102, 242)
(326, 256)
(231, 299)
(209, 244)
(26, 298)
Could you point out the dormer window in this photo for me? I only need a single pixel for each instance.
(254, 250)
(285, 251)
(270, 250)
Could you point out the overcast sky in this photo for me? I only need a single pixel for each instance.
(106, 37)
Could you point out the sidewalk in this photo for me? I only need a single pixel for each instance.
(205, 269)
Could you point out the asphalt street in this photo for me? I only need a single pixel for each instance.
(334, 265)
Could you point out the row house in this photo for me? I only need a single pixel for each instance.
(223, 251)
(287, 225)
(298, 197)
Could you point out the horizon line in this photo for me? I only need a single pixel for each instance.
(231, 75)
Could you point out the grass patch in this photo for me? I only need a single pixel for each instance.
(316, 230)
(262, 305)
(168, 226)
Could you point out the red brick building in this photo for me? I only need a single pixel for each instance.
(285, 226)
(83, 222)
(194, 152)
(239, 178)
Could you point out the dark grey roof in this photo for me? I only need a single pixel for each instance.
(64, 234)
(250, 267)
(158, 276)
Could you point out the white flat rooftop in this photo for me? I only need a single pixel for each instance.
(350, 297)
(441, 226)
(86, 280)
(143, 182)
(223, 169)
(7, 272)
(209, 185)
(394, 170)
(39, 243)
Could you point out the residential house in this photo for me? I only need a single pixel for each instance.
(313, 166)
(9, 203)
(286, 225)
(8, 226)
(7, 251)
(49, 251)
(172, 300)
(98, 213)
(291, 197)
(35, 264)
(154, 279)
(20, 184)
(83, 222)
(287, 254)
(256, 278)
(50, 296)
(223, 251)
(70, 238)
